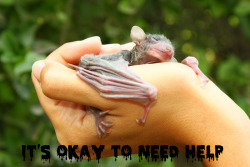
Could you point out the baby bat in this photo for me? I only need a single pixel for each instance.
(110, 75)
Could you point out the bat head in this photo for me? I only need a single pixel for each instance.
(153, 48)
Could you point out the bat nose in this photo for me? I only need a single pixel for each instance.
(170, 51)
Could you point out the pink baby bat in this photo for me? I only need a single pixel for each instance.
(110, 75)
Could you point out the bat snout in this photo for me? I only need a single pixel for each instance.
(170, 51)
(161, 52)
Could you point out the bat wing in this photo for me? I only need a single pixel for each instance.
(112, 78)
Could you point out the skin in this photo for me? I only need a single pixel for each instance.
(188, 113)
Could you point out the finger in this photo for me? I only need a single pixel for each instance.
(128, 46)
(59, 111)
(37, 68)
(110, 48)
(72, 51)
(61, 83)
(46, 102)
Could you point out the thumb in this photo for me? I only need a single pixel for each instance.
(61, 83)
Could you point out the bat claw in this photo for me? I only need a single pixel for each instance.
(102, 126)
(103, 129)
(106, 123)
(103, 113)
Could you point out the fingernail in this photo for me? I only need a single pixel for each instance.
(92, 38)
(128, 46)
(37, 68)
(108, 46)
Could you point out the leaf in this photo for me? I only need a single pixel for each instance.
(218, 8)
(26, 65)
(62, 17)
(2, 20)
(5, 159)
(111, 31)
(234, 70)
(43, 46)
(6, 2)
(22, 89)
(130, 7)
(204, 62)
(21, 83)
(8, 42)
(27, 36)
(6, 93)
(226, 69)
(245, 25)
(8, 57)
(243, 8)
(36, 109)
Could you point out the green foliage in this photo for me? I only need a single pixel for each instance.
(217, 33)
(130, 7)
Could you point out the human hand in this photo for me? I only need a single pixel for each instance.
(181, 115)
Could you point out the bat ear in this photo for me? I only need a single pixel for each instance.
(137, 35)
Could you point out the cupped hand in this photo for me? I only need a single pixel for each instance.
(181, 115)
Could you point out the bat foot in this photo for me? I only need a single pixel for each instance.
(142, 120)
(193, 63)
(102, 126)
(204, 81)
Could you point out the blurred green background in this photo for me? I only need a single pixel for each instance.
(216, 32)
